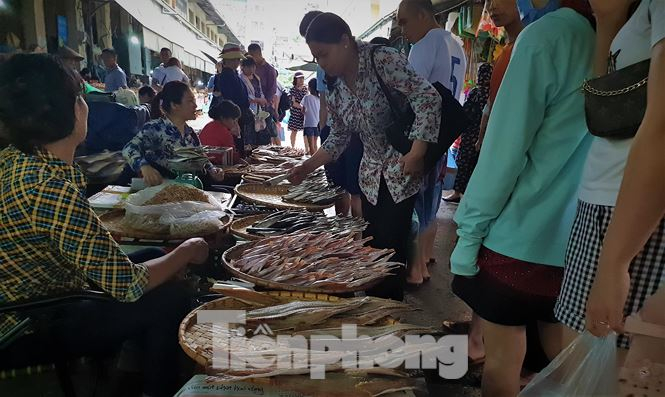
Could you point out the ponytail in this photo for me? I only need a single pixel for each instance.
(155, 107)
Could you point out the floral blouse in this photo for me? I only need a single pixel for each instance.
(156, 144)
(367, 111)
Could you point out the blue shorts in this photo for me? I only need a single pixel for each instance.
(428, 200)
(311, 131)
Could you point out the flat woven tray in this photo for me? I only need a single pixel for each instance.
(237, 252)
(113, 222)
(271, 196)
(239, 227)
(196, 339)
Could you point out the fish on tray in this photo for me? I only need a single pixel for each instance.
(290, 222)
(316, 260)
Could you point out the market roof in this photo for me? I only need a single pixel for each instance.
(216, 17)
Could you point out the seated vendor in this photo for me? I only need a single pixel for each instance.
(52, 241)
(223, 128)
(150, 150)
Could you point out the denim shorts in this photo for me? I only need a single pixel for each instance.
(311, 131)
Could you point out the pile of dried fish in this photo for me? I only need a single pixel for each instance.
(283, 151)
(290, 222)
(188, 159)
(316, 260)
(103, 167)
(313, 191)
(262, 172)
(373, 317)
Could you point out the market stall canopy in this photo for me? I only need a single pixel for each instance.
(307, 67)
(161, 29)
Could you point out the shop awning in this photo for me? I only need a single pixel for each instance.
(164, 30)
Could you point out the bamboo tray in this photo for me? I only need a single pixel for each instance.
(239, 227)
(113, 222)
(237, 252)
(271, 196)
(196, 339)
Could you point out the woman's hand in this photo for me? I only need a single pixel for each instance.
(412, 163)
(198, 250)
(217, 174)
(604, 309)
(262, 101)
(151, 176)
(298, 174)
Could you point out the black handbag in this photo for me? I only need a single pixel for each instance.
(454, 121)
(615, 103)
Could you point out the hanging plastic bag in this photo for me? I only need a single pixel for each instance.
(586, 368)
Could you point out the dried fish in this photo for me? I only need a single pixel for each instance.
(290, 222)
(316, 260)
(313, 191)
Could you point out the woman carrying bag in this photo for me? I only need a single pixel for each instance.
(388, 180)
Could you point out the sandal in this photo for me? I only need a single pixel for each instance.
(643, 375)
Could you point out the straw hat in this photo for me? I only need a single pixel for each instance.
(65, 52)
(231, 51)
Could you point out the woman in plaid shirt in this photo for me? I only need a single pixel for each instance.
(51, 241)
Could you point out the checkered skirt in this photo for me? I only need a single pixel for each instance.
(647, 271)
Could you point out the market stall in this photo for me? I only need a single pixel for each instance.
(293, 268)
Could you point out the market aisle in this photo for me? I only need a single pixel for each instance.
(437, 300)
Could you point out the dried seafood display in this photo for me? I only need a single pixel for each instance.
(103, 167)
(290, 222)
(301, 319)
(315, 260)
(175, 193)
(313, 191)
(188, 159)
(280, 151)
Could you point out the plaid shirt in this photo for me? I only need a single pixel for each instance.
(50, 239)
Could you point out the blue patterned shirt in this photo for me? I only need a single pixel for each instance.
(156, 143)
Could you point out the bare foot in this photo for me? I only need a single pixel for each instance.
(415, 276)
(425, 272)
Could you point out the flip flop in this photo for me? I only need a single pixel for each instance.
(452, 200)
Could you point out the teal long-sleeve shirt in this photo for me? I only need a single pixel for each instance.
(521, 199)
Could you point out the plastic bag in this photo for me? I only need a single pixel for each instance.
(181, 219)
(586, 368)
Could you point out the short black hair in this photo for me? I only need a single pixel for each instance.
(313, 87)
(254, 48)
(37, 97)
(248, 61)
(109, 51)
(380, 41)
(423, 5)
(164, 49)
(172, 93)
(148, 91)
(307, 20)
(224, 109)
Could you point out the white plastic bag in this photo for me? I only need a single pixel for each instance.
(586, 368)
(181, 219)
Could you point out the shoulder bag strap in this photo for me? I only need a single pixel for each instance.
(386, 92)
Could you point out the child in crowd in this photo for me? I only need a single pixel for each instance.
(223, 129)
(311, 104)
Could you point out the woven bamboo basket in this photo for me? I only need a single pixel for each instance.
(113, 222)
(271, 196)
(239, 227)
(197, 339)
(237, 252)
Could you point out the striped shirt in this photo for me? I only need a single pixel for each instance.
(50, 238)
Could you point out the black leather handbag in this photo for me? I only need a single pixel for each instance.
(615, 103)
(454, 121)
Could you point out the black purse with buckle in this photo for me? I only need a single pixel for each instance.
(615, 103)
(454, 121)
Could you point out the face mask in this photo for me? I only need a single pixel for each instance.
(530, 14)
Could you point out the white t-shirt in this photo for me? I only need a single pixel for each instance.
(173, 73)
(440, 57)
(158, 74)
(607, 158)
(312, 106)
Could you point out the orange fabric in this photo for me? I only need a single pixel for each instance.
(499, 71)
